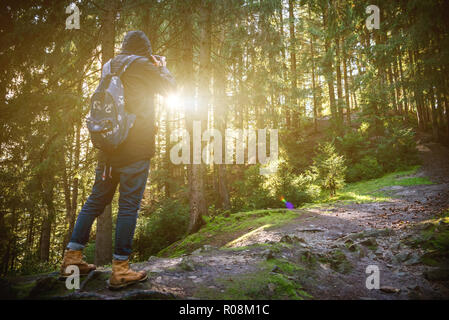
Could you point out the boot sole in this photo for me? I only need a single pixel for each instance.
(121, 286)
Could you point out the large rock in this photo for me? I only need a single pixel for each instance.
(47, 286)
(291, 239)
(401, 257)
(268, 254)
(203, 249)
(413, 259)
(370, 233)
(369, 242)
(187, 264)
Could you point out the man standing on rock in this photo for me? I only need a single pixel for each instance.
(126, 166)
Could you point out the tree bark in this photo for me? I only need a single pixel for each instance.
(345, 78)
(312, 56)
(397, 87)
(103, 239)
(45, 239)
(327, 66)
(284, 66)
(72, 199)
(419, 99)
(294, 78)
(391, 90)
(220, 113)
(339, 82)
(434, 114)
(198, 206)
(404, 88)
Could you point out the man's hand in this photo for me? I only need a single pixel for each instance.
(159, 60)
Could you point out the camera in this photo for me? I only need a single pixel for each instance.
(159, 60)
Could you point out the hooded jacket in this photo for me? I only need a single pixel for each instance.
(141, 81)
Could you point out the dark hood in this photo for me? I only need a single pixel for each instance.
(136, 42)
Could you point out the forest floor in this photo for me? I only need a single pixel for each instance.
(322, 253)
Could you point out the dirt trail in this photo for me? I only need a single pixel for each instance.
(386, 226)
(340, 241)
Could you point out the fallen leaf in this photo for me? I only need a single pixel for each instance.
(387, 289)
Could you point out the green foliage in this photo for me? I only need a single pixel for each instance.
(34, 266)
(367, 168)
(164, 226)
(369, 155)
(330, 168)
(354, 144)
(89, 252)
(294, 188)
(397, 148)
(249, 193)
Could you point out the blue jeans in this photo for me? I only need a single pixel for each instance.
(132, 179)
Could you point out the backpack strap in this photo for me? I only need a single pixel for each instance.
(128, 61)
(125, 64)
(106, 69)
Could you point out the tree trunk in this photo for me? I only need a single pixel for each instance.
(198, 206)
(294, 78)
(351, 79)
(328, 70)
(391, 90)
(220, 113)
(347, 93)
(434, 114)
(284, 65)
(416, 76)
(45, 239)
(30, 235)
(339, 82)
(397, 87)
(103, 239)
(404, 90)
(72, 199)
(312, 56)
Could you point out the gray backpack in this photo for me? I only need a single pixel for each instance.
(108, 122)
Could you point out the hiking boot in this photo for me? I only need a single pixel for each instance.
(75, 258)
(123, 276)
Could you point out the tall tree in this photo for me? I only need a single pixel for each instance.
(294, 107)
(103, 237)
(197, 199)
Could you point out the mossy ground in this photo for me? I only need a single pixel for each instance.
(222, 230)
(434, 238)
(338, 261)
(42, 288)
(369, 191)
(282, 284)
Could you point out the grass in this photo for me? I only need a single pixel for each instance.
(369, 191)
(229, 230)
(263, 284)
(223, 230)
(434, 239)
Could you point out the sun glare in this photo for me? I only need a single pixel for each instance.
(173, 101)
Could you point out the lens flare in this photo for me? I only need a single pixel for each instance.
(288, 205)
